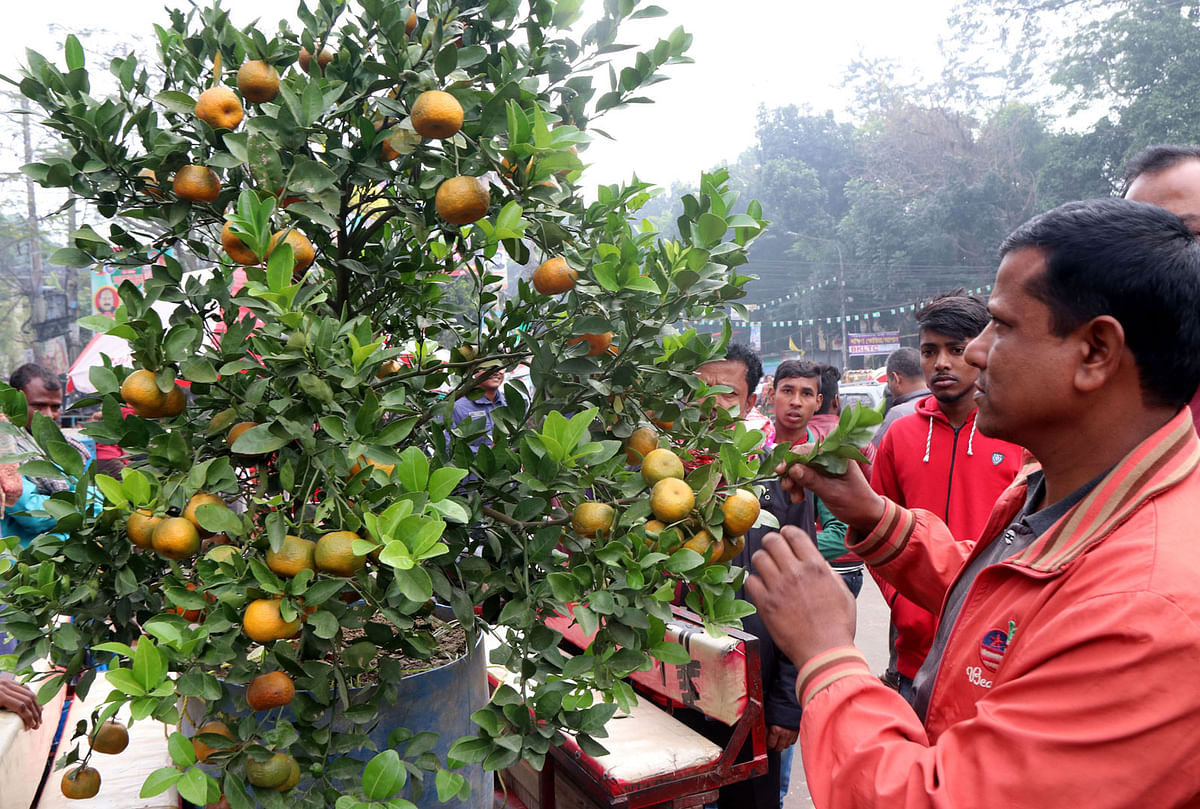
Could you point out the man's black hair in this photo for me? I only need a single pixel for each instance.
(789, 369)
(1154, 159)
(737, 352)
(906, 362)
(830, 375)
(1135, 262)
(954, 314)
(30, 371)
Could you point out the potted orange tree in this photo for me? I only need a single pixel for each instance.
(300, 491)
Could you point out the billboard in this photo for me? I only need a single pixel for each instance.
(880, 342)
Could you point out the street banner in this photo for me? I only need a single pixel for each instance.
(881, 342)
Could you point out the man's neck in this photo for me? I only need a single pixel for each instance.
(958, 411)
(783, 435)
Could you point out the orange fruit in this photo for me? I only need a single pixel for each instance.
(294, 555)
(293, 777)
(462, 200)
(263, 621)
(271, 773)
(202, 750)
(197, 184)
(323, 60)
(672, 499)
(152, 187)
(387, 152)
(194, 502)
(302, 249)
(597, 343)
(112, 737)
(436, 114)
(388, 368)
(741, 510)
(140, 391)
(334, 554)
(733, 546)
(174, 403)
(270, 690)
(386, 468)
(235, 432)
(641, 443)
(410, 24)
(81, 783)
(661, 463)
(235, 248)
(191, 616)
(700, 543)
(176, 538)
(257, 81)
(554, 277)
(220, 108)
(591, 519)
(139, 527)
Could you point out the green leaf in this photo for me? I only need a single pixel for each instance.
(111, 490)
(383, 776)
(181, 750)
(149, 664)
(219, 519)
(451, 785)
(671, 652)
(175, 101)
(259, 440)
(413, 470)
(135, 485)
(160, 781)
(443, 481)
(74, 53)
(72, 257)
(198, 787)
(446, 61)
(710, 228)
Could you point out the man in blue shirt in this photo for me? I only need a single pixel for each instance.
(481, 407)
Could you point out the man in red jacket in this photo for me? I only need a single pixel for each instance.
(1069, 635)
(936, 459)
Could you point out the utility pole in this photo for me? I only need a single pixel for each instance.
(37, 302)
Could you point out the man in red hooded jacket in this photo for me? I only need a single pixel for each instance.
(935, 459)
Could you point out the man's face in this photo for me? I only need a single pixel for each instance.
(947, 374)
(796, 399)
(1025, 371)
(732, 375)
(40, 400)
(1176, 188)
(492, 382)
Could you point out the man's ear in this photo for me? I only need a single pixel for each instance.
(751, 400)
(820, 401)
(1102, 347)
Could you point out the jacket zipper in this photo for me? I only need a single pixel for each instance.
(950, 477)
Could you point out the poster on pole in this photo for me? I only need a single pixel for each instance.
(105, 281)
(756, 336)
(881, 342)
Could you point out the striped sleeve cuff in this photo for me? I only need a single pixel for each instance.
(826, 669)
(888, 537)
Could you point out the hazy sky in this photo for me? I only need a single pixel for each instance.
(747, 53)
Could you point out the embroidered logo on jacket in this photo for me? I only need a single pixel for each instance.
(997, 458)
(992, 648)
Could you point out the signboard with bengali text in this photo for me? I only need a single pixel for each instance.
(882, 342)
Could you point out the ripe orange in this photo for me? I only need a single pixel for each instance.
(386, 468)
(554, 277)
(700, 542)
(176, 538)
(236, 249)
(302, 249)
(641, 443)
(387, 152)
(191, 616)
(462, 200)
(81, 782)
(410, 24)
(323, 60)
(436, 114)
(112, 737)
(174, 403)
(257, 81)
(672, 499)
(203, 751)
(270, 690)
(597, 343)
(733, 546)
(194, 502)
(140, 391)
(236, 431)
(220, 108)
(388, 368)
(661, 463)
(197, 184)
(139, 527)
(263, 621)
(741, 510)
(590, 518)
(334, 554)
(294, 555)
(271, 773)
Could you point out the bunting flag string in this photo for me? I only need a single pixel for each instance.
(858, 317)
